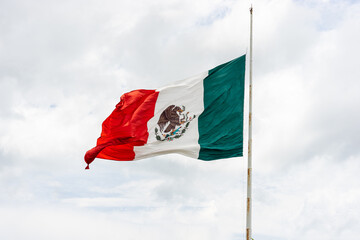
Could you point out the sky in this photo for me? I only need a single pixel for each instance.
(65, 64)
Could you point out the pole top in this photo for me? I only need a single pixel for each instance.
(251, 9)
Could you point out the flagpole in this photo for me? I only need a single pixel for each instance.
(249, 172)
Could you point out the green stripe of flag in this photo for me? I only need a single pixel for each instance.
(221, 122)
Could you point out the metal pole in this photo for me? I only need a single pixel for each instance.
(249, 201)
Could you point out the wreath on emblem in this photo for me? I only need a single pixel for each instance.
(173, 123)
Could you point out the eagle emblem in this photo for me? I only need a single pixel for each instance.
(173, 123)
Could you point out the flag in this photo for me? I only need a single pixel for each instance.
(200, 117)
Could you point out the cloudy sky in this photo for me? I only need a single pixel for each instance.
(65, 64)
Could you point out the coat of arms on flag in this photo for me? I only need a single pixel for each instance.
(172, 123)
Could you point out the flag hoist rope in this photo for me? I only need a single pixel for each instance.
(249, 171)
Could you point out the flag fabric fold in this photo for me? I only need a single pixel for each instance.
(199, 117)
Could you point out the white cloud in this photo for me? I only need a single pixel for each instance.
(63, 67)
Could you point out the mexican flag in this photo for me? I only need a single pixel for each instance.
(200, 117)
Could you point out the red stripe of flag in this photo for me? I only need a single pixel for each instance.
(125, 128)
